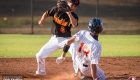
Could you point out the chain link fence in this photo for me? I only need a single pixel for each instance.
(119, 16)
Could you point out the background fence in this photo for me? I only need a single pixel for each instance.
(119, 16)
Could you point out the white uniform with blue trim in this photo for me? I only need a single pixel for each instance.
(88, 52)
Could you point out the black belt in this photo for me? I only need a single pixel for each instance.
(58, 36)
(85, 65)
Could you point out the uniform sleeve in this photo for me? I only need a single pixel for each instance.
(78, 36)
(95, 54)
(52, 11)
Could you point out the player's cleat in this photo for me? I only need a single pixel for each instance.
(81, 77)
(75, 74)
(38, 75)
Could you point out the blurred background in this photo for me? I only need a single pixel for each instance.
(22, 16)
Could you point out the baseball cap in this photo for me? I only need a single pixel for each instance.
(75, 2)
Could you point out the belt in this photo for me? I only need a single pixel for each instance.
(85, 65)
(58, 36)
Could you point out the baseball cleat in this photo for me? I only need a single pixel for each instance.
(39, 75)
(75, 74)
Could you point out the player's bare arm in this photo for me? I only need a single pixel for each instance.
(41, 21)
(65, 50)
(93, 71)
(68, 43)
(72, 20)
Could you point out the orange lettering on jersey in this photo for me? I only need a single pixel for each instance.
(60, 21)
(86, 50)
(62, 29)
(80, 48)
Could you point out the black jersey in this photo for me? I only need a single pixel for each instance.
(61, 25)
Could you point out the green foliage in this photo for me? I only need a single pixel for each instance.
(17, 45)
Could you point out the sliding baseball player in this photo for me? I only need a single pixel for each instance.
(88, 50)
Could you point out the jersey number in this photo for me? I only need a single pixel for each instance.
(84, 49)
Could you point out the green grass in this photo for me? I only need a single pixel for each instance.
(18, 45)
(120, 45)
(22, 45)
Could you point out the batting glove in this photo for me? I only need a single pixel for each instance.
(60, 60)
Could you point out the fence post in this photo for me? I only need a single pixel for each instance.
(97, 10)
(32, 13)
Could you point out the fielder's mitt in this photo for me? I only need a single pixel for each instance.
(62, 6)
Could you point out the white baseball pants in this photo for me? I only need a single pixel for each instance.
(51, 46)
(86, 71)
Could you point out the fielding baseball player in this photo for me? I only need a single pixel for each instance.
(88, 50)
(63, 19)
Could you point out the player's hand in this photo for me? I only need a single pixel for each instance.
(60, 60)
(68, 12)
(41, 22)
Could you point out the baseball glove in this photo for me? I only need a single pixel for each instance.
(62, 6)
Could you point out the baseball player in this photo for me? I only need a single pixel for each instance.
(64, 18)
(88, 50)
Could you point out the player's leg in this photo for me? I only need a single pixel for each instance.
(86, 71)
(72, 51)
(100, 74)
(44, 52)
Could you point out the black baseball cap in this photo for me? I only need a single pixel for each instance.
(75, 2)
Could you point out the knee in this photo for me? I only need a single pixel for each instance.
(39, 56)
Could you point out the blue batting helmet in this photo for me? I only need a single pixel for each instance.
(95, 25)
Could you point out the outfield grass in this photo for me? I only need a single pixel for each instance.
(18, 45)
(120, 45)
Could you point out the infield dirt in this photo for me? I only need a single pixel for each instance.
(115, 68)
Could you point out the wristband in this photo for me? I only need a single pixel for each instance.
(66, 48)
